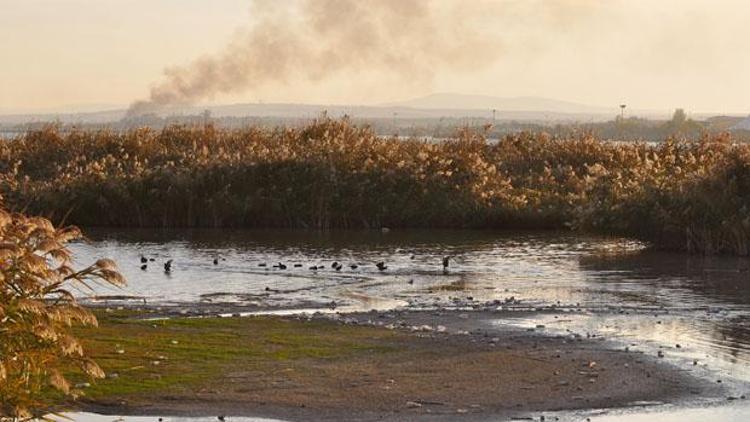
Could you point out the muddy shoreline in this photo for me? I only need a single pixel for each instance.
(449, 364)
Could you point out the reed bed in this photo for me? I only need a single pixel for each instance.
(692, 196)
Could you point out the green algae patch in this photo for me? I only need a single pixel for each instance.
(178, 355)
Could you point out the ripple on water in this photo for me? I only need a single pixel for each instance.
(624, 292)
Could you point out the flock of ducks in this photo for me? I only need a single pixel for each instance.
(337, 266)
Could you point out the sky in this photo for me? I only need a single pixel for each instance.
(649, 54)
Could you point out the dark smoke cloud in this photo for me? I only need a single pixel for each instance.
(404, 42)
(313, 40)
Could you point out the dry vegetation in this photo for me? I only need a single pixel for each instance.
(691, 196)
(37, 311)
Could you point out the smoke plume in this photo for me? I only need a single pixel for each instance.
(313, 40)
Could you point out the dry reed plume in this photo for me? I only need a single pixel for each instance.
(687, 196)
(37, 311)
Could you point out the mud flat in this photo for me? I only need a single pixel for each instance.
(369, 366)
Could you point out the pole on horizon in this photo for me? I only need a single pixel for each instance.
(622, 111)
(494, 113)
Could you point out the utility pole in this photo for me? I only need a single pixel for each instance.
(622, 112)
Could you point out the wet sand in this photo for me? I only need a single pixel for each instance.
(442, 368)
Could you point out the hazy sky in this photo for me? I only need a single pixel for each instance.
(650, 54)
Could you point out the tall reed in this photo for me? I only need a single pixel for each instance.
(37, 311)
(331, 174)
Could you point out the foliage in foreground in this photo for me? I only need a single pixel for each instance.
(691, 196)
(37, 311)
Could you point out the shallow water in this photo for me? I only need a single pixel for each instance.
(574, 285)
(93, 417)
(483, 265)
(728, 413)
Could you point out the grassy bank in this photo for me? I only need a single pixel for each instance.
(685, 196)
(180, 355)
(312, 370)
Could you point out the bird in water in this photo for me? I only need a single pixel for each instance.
(144, 266)
(168, 266)
(297, 265)
(381, 266)
(143, 259)
(338, 266)
(216, 261)
(335, 264)
(354, 266)
(262, 264)
(314, 268)
(280, 266)
(446, 262)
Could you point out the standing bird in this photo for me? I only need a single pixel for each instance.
(381, 266)
(446, 262)
(168, 266)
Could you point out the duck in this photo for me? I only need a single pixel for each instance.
(216, 261)
(168, 266)
(354, 266)
(143, 259)
(144, 267)
(280, 266)
(381, 266)
(446, 262)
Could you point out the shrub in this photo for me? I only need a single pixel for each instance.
(37, 310)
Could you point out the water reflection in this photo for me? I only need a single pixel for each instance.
(585, 285)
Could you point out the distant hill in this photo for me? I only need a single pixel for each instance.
(447, 101)
(435, 106)
(742, 125)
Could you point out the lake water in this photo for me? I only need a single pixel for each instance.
(579, 285)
